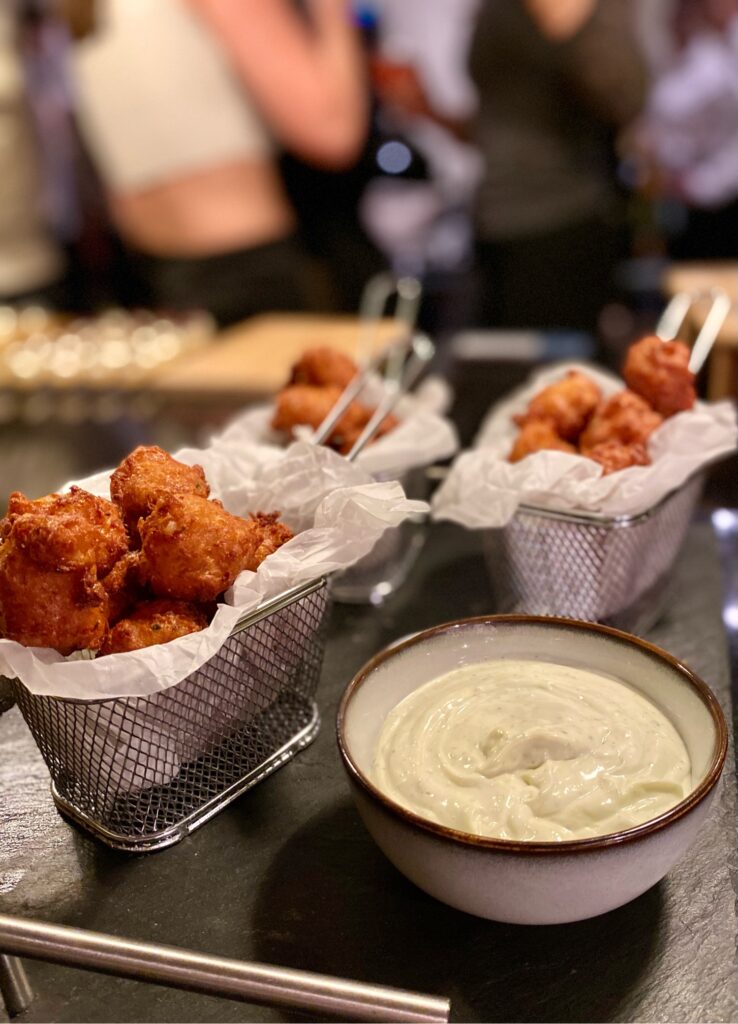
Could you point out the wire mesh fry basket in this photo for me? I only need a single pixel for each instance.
(602, 569)
(141, 773)
(385, 568)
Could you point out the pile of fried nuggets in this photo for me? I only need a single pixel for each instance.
(571, 415)
(318, 379)
(78, 572)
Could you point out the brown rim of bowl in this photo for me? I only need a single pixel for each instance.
(647, 828)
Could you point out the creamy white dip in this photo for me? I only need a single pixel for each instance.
(529, 750)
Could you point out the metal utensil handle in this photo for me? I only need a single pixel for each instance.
(674, 315)
(422, 351)
(710, 328)
(376, 294)
(233, 979)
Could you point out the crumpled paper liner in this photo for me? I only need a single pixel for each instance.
(424, 436)
(483, 489)
(338, 512)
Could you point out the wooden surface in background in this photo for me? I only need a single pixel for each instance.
(254, 358)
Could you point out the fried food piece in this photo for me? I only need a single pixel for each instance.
(40, 606)
(658, 371)
(193, 549)
(614, 455)
(625, 417)
(535, 437)
(323, 366)
(123, 585)
(63, 531)
(567, 405)
(308, 404)
(148, 474)
(154, 622)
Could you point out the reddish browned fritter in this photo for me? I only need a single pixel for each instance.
(625, 417)
(148, 474)
(567, 405)
(63, 531)
(322, 366)
(53, 552)
(154, 622)
(193, 549)
(40, 607)
(308, 405)
(69, 581)
(536, 436)
(658, 371)
(123, 585)
(614, 455)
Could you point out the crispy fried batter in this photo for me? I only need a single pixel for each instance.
(193, 549)
(62, 531)
(658, 371)
(624, 417)
(308, 404)
(44, 607)
(536, 436)
(614, 455)
(567, 404)
(323, 366)
(123, 585)
(148, 474)
(154, 622)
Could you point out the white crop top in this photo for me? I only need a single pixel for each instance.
(156, 97)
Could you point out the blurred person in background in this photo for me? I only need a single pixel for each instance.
(31, 261)
(419, 74)
(557, 80)
(183, 105)
(689, 132)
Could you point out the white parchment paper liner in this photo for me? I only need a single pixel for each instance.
(423, 436)
(338, 512)
(483, 489)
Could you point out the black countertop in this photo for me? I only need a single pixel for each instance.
(288, 875)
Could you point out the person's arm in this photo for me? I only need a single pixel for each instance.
(307, 79)
(598, 53)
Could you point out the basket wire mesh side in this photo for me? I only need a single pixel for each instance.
(612, 570)
(140, 773)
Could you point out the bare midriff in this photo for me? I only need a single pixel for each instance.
(221, 209)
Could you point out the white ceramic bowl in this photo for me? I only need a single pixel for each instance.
(521, 882)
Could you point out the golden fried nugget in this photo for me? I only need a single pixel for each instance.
(44, 607)
(536, 436)
(323, 366)
(614, 455)
(193, 549)
(625, 417)
(123, 585)
(62, 531)
(148, 474)
(154, 622)
(658, 371)
(309, 405)
(567, 404)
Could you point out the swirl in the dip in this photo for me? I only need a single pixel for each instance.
(528, 750)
